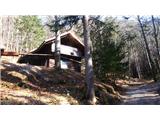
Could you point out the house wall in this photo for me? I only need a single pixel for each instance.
(50, 62)
(67, 64)
(68, 50)
(69, 41)
(33, 60)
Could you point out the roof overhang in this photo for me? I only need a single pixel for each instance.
(66, 34)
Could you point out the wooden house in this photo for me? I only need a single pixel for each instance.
(71, 50)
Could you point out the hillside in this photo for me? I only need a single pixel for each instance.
(27, 84)
(33, 85)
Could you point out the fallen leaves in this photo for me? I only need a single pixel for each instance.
(27, 84)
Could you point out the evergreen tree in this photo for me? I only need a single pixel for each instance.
(31, 32)
(107, 49)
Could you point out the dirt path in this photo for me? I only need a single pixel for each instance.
(141, 93)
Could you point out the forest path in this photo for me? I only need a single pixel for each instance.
(141, 93)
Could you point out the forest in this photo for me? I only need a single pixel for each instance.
(121, 63)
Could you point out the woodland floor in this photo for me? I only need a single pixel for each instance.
(23, 84)
(26, 84)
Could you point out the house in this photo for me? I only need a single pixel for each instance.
(71, 51)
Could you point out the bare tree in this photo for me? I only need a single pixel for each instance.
(156, 41)
(7, 32)
(137, 63)
(152, 66)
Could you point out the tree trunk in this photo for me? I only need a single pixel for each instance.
(57, 46)
(137, 63)
(129, 59)
(156, 41)
(1, 31)
(88, 63)
(152, 67)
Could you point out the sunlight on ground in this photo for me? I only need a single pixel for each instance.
(27, 96)
(17, 74)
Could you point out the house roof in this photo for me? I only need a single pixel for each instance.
(68, 34)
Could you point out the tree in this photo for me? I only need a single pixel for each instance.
(152, 66)
(88, 62)
(129, 33)
(56, 25)
(107, 49)
(29, 32)
(67, 23)
(7, 38)
(57, 45)
(155, 32)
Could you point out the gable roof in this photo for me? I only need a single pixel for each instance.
(63, 35)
